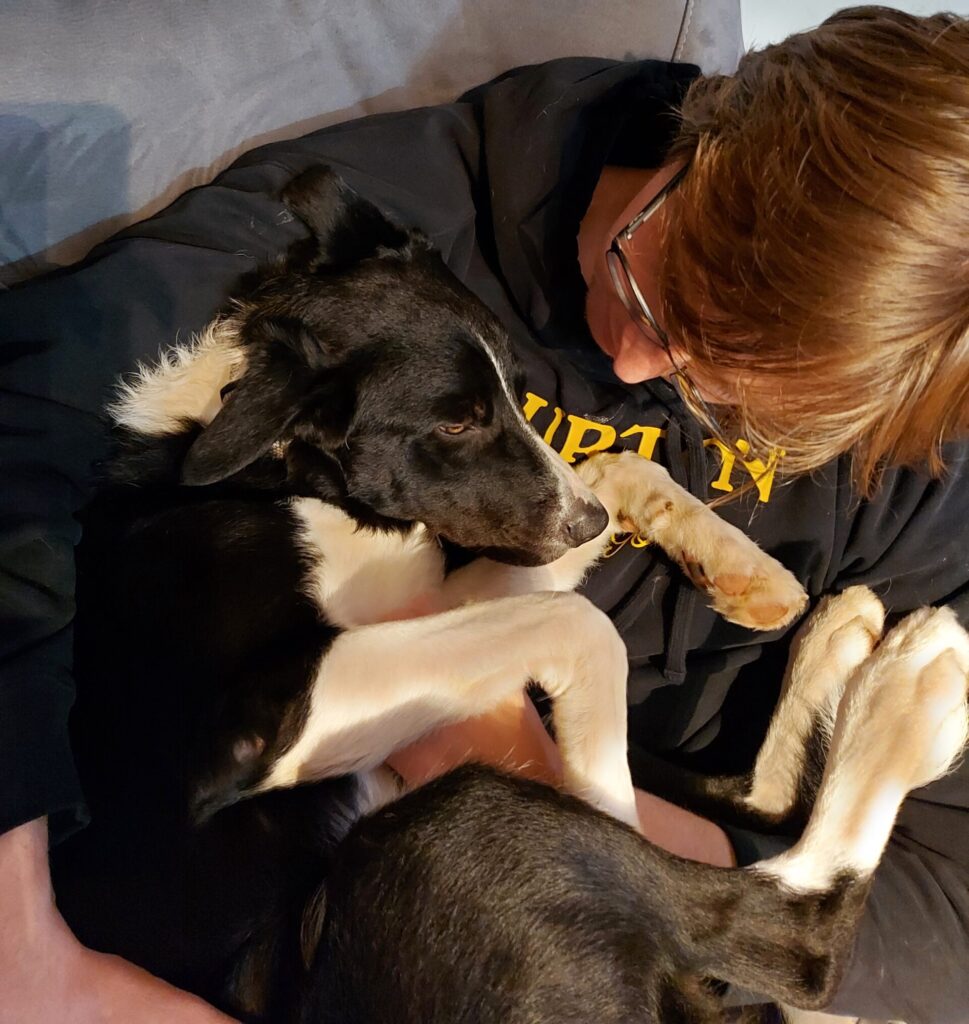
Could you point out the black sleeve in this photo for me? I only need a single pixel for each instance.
(909, 542)
(63, 342)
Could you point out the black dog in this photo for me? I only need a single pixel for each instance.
(276, 507)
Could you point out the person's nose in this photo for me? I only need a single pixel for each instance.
(638, 359)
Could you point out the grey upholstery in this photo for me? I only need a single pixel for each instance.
(109, 110)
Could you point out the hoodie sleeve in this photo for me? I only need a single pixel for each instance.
(63, 342)
(909, 543)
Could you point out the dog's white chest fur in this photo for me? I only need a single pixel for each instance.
(361, 576)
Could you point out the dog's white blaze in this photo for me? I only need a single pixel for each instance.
(184, 384)
(361, 576)
(569, 483)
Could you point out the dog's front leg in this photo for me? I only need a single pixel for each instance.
(745, 585)
(900, 724)
(383, 686)
(828, 647)
(837, 637)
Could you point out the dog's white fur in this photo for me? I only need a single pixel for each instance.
(382, 686)
(361, 576)
(840, 633)
(185, 384)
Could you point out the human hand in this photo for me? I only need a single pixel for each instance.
(46, 975)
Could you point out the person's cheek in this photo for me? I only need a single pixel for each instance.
(597, 315)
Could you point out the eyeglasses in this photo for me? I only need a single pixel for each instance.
(638, 308)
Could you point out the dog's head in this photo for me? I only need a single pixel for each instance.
(367, 351)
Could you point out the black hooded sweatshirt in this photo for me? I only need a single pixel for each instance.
(499, 181)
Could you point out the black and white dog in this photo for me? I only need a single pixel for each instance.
(265, 615)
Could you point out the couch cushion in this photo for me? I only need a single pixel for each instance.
(110, 111)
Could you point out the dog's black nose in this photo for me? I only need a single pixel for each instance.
(588, 520)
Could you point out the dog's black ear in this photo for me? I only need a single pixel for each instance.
(347, 227)
(330, 408)
(262, 404)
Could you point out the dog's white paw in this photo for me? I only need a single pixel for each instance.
(918, 703)
(764, 596)
(840, 633)
(901, 723)
(836, 638)
(745, 585)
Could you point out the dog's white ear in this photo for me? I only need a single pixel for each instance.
(257, 411)
(347, 228)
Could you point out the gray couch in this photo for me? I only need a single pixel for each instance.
(109, 109)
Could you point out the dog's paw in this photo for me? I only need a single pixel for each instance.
(856, 607)
(917, 703)
(842, 630)
(901, 723)
(830, 645)
(745, 585)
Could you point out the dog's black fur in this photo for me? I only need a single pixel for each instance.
(491, 899)
(479, 897)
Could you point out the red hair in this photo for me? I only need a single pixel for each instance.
(817, 251)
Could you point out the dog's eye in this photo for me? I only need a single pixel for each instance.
(470, 422)
(455, 428)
